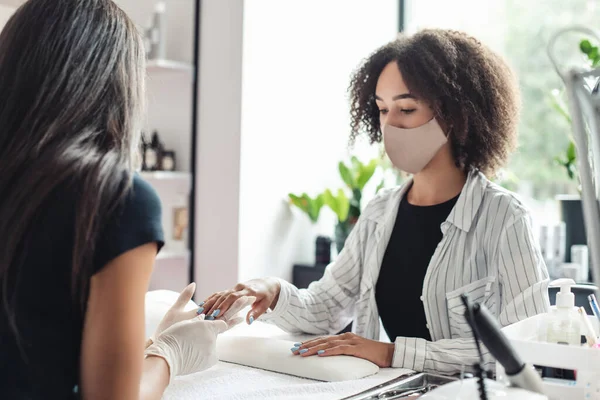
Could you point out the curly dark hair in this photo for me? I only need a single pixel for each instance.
(471, 90)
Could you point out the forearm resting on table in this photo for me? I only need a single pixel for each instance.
(155, 378)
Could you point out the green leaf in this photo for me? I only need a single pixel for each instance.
(571, 154)
(312, 207)
(571, 171)
(346, 175)
(593, 54)
(339, 204)
(315, 206)
(365, 173)
(380, 186)
(330, 201)
(585, 46)
(344, 205)
(298, 202)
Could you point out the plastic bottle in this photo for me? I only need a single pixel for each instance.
(563, 322)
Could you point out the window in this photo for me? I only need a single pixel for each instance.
(520, 31)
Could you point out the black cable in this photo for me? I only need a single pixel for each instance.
(479, 370)
(480, 381)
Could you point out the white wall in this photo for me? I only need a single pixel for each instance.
(218, 146)
(298, 58)
(5, 13)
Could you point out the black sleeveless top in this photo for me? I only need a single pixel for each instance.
(50, 327)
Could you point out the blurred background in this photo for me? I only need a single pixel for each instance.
(248, 122)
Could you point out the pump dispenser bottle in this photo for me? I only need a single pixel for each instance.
(563, 323)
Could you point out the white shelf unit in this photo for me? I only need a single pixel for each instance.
(169, 91)
(168, 177)
(171, 269)
(173, 255)
(169, 66)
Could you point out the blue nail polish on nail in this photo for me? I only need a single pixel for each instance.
(216, 312)
(209, 318)
(297, 344)
(295, 349)
(303, 351)
(251, 319)
(200, 310)
(320, 351)
(201, 304)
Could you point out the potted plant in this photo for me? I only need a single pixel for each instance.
(570, 205)
(345, 202)
(348, 208)
(311, 206)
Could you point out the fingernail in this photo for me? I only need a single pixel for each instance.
(297, 344)
(210, 318)
(320, 352)
(251, 319)
(200, 310)
(303, 351)
(201, 304)
(295, 349)
(216, 312)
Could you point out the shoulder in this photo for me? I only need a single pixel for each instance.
(142, 200)
(500, 201)
(382, 203)
(136, 221)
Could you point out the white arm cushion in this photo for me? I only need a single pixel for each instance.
(275, 355)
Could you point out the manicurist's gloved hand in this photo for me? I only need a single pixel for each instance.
(177, 312)
(188, 346)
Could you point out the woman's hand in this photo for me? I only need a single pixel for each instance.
(264, 291)
(379, 353)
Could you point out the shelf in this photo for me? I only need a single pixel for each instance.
(173, 255)
(166, 176)
(168, 65)
(169, 183)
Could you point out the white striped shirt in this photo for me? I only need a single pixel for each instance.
(487, 250)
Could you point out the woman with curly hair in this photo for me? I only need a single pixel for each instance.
(446, 108)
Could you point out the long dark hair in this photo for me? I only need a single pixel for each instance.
(71, 108)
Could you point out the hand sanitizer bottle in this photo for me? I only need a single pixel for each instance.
(563, 324)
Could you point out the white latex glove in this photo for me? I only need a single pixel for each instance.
(188, 346)
(177, 312)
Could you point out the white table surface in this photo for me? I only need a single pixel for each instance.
(227, 381)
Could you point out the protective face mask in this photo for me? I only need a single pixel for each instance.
(411, 149)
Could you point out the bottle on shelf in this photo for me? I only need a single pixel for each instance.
(168, 160)
(158, 148)
(152, 152)
(156, 34)
(142, 151)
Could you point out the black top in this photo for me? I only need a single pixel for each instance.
(414, 238)
(50, 325)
